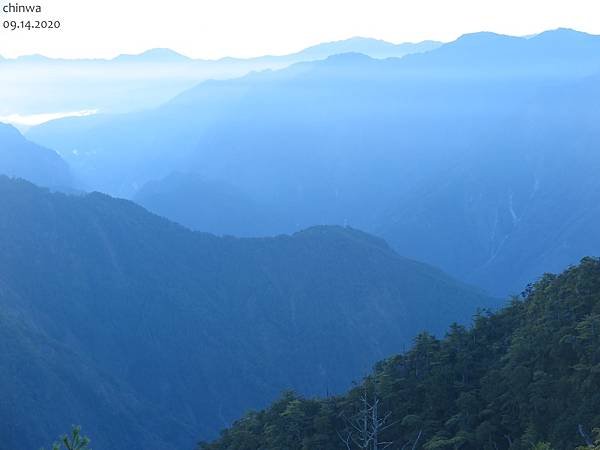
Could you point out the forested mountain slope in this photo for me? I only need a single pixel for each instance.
(150, 335)
(527, 374)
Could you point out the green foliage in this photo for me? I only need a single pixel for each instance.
(526, 377)
(76, 441)
(542, 446)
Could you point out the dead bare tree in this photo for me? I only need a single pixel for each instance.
(366, 427)
(346, 438)
(417, 440)
(414, 446)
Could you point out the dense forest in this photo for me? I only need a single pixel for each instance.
(525, 377)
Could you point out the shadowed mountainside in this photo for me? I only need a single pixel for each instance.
(22, 158)
(149, 333)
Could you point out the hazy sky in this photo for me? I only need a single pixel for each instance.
(216, 28)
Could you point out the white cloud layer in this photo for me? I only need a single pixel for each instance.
(36, 119)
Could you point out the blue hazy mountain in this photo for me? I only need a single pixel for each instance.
(133, 82)
(478, 156)
(24, 159)
(155, 55)
(375, 48)
(152, 336)
(561, 52)
(217, 207)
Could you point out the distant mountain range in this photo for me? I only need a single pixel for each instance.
(478, 156)
(375, 48)
(151, 336)
(157, 55)
(147, 79)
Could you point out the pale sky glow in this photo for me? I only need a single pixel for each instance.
(243, 28)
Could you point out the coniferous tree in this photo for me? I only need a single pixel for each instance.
(76, 441)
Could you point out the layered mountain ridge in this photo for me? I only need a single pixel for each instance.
(150, 335)
(452, 155)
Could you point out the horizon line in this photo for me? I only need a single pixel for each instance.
(182, 55)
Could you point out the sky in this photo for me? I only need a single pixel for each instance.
(245, 28)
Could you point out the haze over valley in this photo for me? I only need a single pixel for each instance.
(146, 80)
(463, 140)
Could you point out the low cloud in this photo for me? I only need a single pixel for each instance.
(30, 120)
